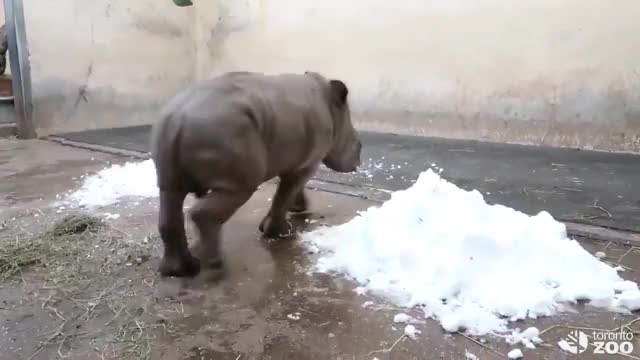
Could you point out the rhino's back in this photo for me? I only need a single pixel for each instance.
(251, 125)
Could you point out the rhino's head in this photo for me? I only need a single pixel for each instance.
(344, 155)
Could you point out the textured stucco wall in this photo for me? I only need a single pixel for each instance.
(556, 72)
(104, 63)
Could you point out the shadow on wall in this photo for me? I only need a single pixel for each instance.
(122, 61)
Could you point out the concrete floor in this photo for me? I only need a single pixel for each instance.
(243, 317)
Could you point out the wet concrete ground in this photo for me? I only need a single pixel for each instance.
(247, 315)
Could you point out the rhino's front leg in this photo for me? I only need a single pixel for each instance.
(289, 196)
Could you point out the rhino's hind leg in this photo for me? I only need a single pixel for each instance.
(177, 260)
(209, 215)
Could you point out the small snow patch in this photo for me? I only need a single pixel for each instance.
(411, 331)
(360, 290)
(469, 356)
(402, 318)
(110, 216)
(528, 338)
(367, 304)
(515, 354)
(294, 316)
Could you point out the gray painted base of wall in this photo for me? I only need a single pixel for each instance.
(8, 130)
(586, 136)
(7, 113)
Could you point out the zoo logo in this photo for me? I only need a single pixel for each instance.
(604, 342)
(578, 342)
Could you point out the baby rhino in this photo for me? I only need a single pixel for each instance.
(222, 138)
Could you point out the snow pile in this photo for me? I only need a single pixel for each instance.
(468, 264)
(115, 182)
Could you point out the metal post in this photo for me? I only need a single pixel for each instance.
(20, 69)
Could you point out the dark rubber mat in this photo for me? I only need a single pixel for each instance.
(583, 186)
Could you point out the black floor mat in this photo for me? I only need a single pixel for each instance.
(133, 138)
(584, 186)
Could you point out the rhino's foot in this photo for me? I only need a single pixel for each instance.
(179, 266)
(275, 229)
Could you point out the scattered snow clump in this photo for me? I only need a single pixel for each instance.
(411, 331)
(515, 354)
(110, 184)
(401, 318)
(469, 356)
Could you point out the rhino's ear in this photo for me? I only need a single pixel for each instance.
(339, 91)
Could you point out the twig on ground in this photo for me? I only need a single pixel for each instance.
(479, 343)
(121, 231)
(49, 340)
(60, 349)
(617, 264)
(239, 356)
(389, 349)
(46, 302)
(572, 328)
(307, 311)
(570, 189)
(628, 355)
(56, 312)
(115, 316)
(596, 206)
(627, 325)
(633, 248)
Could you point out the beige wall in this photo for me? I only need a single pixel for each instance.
(103, 63)
(558, 72)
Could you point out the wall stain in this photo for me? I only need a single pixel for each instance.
(157, 26)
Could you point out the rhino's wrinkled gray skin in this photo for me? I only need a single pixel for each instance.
(224, 137)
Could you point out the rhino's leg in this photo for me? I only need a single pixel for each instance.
(300, 203)
(289, 189)
(177, 260)
(209, 215)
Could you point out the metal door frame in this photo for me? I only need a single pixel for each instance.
(20, 68)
